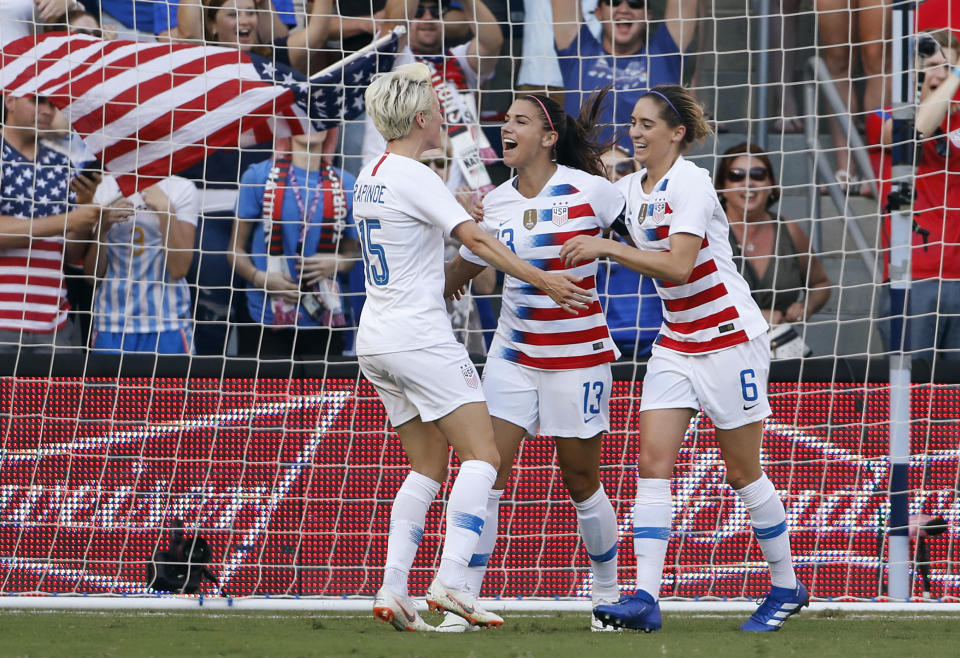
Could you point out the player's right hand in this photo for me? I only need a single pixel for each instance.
(562, 288)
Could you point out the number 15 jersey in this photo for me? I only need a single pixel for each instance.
(402, 210)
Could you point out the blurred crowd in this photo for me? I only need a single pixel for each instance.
(254, 251)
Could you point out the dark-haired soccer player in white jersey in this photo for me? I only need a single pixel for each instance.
(547, 370)
(407, 349)
(712, 352)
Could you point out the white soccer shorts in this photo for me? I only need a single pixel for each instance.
(559, 403)
(430, 382)
(730, 385)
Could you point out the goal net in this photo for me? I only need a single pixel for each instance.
(265, 441)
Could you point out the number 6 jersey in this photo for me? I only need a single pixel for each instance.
(402, 210)
(713, 310)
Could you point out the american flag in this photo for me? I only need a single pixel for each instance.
(147, 110)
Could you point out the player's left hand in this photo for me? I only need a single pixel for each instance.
(563, 289)
(581, 248)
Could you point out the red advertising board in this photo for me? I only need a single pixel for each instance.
(291, 483)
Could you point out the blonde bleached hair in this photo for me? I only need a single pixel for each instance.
(393, 99)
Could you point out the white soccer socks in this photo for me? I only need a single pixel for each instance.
(406, 528)
(466, 513)
(598, 529)
(477, 567)
(770, 527)
(652, 516)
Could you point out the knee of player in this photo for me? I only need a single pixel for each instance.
(738, 478)
(651, 464)
(581, 483)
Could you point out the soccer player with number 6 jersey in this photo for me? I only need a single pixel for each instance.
(546, 370)
(712, 352)
(407, 349)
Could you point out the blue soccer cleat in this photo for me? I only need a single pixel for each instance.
(779, 604)
(637, 611)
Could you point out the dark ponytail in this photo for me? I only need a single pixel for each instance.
(577, 142)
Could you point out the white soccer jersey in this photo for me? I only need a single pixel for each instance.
(137, 295)
(533, 330)
(714, 309)
(402, 210)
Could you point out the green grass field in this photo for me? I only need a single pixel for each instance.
(556, 635)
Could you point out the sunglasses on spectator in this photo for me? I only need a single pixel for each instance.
(435, 10)
(439, 163)
(756, 174)
(633, 4)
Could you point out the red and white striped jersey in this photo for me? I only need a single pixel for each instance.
(714, 309)
(533, 330)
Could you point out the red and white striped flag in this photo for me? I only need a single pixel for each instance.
(147, 110)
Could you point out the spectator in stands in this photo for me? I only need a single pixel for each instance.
(219, 174)
(538, 69)
(78, 20)
(849, 28)
(293, 235)
(772, 252)
(142, 300)
(879, 140)
(251, 25)
(640, 60)
(633, 308)
(933, 303)
(38, 230)
(138, 20)
(934, 297)
(458, 72)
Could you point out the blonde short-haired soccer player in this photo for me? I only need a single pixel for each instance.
(407, 349)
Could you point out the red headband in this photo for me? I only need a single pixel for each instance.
(545, 113)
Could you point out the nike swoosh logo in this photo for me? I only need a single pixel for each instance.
(587, 420)
(410, 617)
(746, 408)
(466, 608)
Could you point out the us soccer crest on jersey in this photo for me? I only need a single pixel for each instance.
(560, 214)
(659, 210)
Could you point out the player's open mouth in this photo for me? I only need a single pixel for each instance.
(509, 144)
(244, 34)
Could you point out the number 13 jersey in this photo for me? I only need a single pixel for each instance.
(533, 330)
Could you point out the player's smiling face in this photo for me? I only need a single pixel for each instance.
(236, 23)
(654, 140)
(433, 127)
(525, 137)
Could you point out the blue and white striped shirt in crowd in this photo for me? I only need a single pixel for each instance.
(137, 295)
